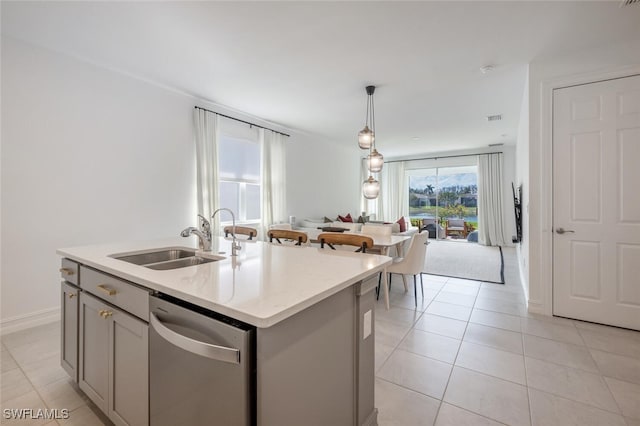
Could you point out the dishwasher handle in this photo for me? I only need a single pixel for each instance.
(215, 352)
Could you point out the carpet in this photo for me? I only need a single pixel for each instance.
(465, 260)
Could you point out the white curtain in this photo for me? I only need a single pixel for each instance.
(394, 192)
(490, 200)
(206, 125)
(273, 175)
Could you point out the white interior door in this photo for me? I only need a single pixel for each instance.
(596, 202)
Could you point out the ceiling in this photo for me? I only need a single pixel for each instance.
(305, 65)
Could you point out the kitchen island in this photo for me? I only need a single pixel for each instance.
(308, 312)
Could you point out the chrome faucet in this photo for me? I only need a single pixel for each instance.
(235, 246)
(203, 231)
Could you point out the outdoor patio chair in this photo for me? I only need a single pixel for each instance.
(456, 227)
(432, 226)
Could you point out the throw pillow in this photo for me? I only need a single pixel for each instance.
(327, 220)
(363, 219)
(346, 218)
(402, 223)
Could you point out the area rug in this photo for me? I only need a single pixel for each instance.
(465, 260)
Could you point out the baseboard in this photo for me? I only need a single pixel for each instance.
(523, 279)
(33, 319)
(536, 307)
(372, 418)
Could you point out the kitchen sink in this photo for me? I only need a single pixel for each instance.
(156, 256)
(166, 259)
(181, 263)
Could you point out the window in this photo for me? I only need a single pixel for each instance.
(444, 192)
(239, 172)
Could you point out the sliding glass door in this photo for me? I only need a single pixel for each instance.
(443, 193)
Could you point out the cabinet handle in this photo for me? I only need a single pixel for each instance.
(104, 313)
(72, 295)
(108, 291)
(215, 352)
(66, 271)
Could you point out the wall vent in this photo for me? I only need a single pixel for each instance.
(494, 117)
(629, 2)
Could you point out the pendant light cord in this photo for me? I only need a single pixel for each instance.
(366, 119)
(373, 122)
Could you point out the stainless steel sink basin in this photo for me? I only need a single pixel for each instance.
(181, 263)
(156, 256)
(167, 258)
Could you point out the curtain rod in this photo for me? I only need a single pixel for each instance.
(444, 156)
(242, 121)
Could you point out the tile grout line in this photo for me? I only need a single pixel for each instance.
(575, 401)
(453, 365)
(400, 341)
(475, 414)
(36, 389)
(403, 337)
(526, 378)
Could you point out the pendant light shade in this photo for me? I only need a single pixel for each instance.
(371, 188)
(365, 138)
(376, 160)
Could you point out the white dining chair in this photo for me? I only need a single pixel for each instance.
(369, 229)
(286, 226)
(376, 230)
(412, 263)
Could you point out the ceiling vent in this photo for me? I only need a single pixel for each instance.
(628, 2)
(496, 117)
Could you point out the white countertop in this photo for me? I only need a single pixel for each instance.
(262, 286)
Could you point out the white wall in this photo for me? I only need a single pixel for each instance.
(543, 72)
(92, 156)
(88, 156)
(522, 178)
(322, 178)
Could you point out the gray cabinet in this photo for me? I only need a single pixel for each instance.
(114, 369)
(69, 329)
(94, 350)
(129, 370)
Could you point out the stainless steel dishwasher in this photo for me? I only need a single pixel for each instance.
(201, 366)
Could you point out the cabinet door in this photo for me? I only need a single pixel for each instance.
(94, 350)
(69, 329)
(129, 370)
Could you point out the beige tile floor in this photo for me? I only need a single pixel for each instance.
(469, 354)
(31, 377)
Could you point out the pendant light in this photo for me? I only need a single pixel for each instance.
(367, 140)
(366, 136)
(370, 188)
(375, 160)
